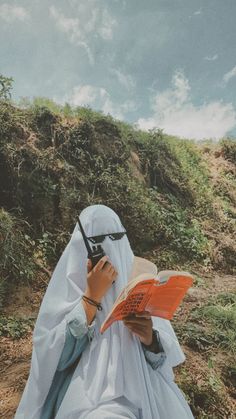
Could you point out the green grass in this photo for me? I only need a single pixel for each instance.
(57, 160)
(16, 253)
(15, 327)
(212, 325)
(206, 396)
(228, 147)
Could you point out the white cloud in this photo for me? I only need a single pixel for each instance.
(105, 30)
(198, 12)
(117, 111)
(211, 58)
(125, 80)
(89, 21)
(13, 13)
(108, 107)
(72, 27)
(98, 98)
(174, 112)
(122, 3)
(129, 106)
(84, 95)
(229, 75)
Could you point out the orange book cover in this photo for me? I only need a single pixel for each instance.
(159, 293)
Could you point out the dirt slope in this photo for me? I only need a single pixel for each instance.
(15, 355)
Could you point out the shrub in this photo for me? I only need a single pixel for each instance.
(228, 148)
(16, 254)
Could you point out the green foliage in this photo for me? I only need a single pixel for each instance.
(210, 329)
(228, 147)
(225, 299)
(5, 87)
(230, 375)
(226, 316)
(40, 102)
(196, 174)
(16, 262)
(85, 113)
(47, 248)
(185, 234)
(176, 167)
(225, 188)
(67, 110)
(212, 325)
(15, 327)
(205, 396)
(43, 120)
(56, 160)
(11, 121)
(162, 167)
(46, 103)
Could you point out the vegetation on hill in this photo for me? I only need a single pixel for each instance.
(175, 197)
(163, 188)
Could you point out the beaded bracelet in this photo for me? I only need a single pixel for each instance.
(92, 302)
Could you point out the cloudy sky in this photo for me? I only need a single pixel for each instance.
(156, 63)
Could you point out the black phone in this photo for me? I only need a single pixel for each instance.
(94, 254)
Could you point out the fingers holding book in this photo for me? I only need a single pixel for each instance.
(140, 325)
(143, 314)
(157, 290)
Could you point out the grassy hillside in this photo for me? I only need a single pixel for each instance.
(176, 198)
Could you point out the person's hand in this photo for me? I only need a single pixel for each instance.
(89, 265)
(99, 278)
(141, 325)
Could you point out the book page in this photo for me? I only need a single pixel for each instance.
(131, 284)
(163, 276)
(149, 294)
(142, 266)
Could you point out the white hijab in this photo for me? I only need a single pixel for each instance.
(113, 364)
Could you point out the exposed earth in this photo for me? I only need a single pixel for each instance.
(15, 354)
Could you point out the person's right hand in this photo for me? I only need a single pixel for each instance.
(99, 279)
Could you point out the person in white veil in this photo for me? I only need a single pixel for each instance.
(127, 372)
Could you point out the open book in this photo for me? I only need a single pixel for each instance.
(159, 293)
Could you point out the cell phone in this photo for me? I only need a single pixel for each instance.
(94, 254)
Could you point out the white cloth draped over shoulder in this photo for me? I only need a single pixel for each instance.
(113, 364)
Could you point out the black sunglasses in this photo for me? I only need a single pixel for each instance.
(112, 236)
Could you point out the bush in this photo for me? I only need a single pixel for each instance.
(16, 254)
(228, 148)
(15, 327)
(212, 324)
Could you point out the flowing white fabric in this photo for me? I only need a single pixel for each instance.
(113, 364)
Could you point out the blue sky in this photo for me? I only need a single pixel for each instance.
(156, 63)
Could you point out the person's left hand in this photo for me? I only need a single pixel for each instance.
(141, 325)
(89, 265)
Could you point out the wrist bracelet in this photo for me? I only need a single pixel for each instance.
(92, 302)
(155, 333)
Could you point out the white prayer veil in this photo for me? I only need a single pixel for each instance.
(113, 364)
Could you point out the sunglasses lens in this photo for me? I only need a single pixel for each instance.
(100, 239)
(97, 239)
(116, 236)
